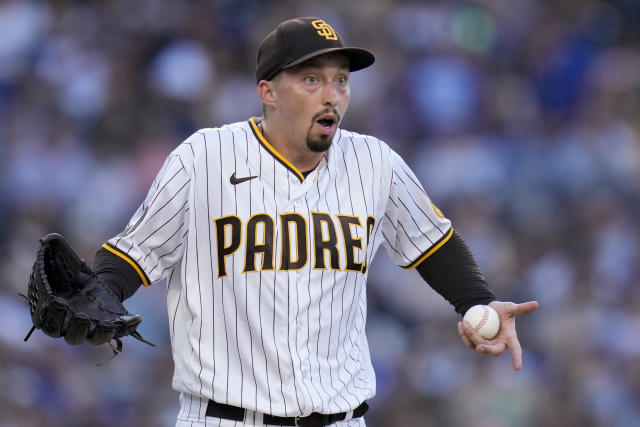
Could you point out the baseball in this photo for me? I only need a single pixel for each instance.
(484, 319)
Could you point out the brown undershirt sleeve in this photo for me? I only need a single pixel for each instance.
(453, 272)
(116, 273)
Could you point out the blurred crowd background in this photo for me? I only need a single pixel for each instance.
(521, 118)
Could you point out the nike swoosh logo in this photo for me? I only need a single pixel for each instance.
(233, 180)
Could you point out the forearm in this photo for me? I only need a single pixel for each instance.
(116, 273)
(453, 272)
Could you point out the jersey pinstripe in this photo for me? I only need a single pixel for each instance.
(266, 269)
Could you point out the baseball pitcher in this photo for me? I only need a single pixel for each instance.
(265, 230)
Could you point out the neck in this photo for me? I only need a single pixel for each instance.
(294, 149)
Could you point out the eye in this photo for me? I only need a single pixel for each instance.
(342, 80)
(311, 79)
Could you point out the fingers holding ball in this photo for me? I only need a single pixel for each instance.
(484, 320)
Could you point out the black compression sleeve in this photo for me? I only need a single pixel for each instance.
(116, 273)
(453, 272)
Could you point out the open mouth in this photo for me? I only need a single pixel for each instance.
(327, 122)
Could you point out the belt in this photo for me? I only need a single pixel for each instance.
(229, 412)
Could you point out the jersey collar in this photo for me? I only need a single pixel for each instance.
(253, 122)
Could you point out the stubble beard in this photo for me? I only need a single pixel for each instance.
(319, 144)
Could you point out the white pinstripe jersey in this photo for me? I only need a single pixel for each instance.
(266, 277)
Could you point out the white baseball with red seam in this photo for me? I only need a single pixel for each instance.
(483, 319)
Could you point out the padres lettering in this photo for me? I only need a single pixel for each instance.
(259, 232)
(324, 29)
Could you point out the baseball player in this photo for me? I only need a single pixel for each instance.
(265, 230)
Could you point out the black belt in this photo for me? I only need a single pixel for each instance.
(229, 412)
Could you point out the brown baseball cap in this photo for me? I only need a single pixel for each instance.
(296, 40)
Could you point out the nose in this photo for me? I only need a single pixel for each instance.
(330, 94)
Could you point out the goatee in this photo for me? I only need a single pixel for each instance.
(323, 142)
(319, 144)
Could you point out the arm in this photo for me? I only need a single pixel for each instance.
(453, 272)
(116, 273)
(67, 298)
(412, 228)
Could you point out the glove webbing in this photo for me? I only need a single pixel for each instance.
(116, 350)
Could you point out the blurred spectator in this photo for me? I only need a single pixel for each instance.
(520, 118)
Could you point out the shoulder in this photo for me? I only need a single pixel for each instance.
(218, 135)
(207, 139)
(357, 143)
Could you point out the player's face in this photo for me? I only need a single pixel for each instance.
(314, 96)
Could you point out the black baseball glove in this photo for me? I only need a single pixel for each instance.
(66, 298)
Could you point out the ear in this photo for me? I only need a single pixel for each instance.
(267, 92)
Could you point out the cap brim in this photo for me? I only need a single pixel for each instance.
(358, 58)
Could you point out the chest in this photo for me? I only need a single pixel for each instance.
(268, 217)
